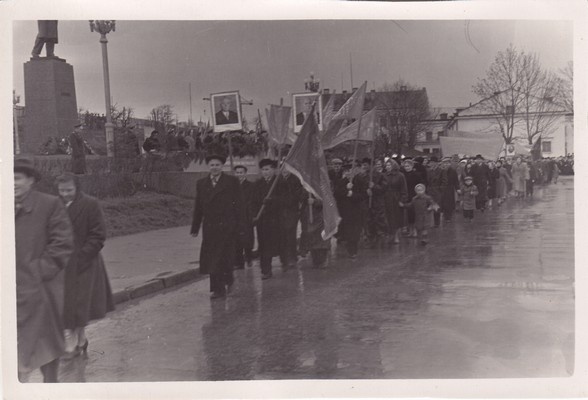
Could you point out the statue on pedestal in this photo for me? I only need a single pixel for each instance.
(47, 36)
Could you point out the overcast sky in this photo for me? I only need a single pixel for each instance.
(152, 62)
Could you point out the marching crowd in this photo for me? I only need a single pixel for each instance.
(379, 201)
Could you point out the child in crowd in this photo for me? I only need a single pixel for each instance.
(422, 204)
(468, 193)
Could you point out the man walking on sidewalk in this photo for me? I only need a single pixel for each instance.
(218, 208)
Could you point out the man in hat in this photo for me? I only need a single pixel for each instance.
(78, 151)
(437, 183)
(268, 224)
(351, 195)
(44, 244)
(481, 176)
(218, 208)
(245, 247)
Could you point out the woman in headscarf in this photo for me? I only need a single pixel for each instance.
(88, 295)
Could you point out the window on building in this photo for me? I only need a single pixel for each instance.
(429, 137)
(546, 146)
(427, 151)
(436, 151)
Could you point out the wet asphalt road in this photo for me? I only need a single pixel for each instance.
(491, 299)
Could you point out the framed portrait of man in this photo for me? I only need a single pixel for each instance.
(226, 109)
(302, 104)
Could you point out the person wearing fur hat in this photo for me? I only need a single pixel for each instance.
(422, 205)
(268, 225)
(44, 244)
(468, 192)
(219, 210)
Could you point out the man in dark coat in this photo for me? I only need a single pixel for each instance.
(245, 246)
(218, 208)
(289, 194)
(352, 196)
(268, 225)
(448, 196)
(377, 223)
(152, 143)
(88, 295)
(44, 244)
(437, 178)
(480, 173)
(47, 36)
(78, 151)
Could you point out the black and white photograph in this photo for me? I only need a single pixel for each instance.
(302, 106)
(226, 108)
(421, 234)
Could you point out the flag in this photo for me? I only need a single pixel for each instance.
(367, 131)
(536, 150)
(329, 112)
(307, 161)
(278, 118)
(353, 108)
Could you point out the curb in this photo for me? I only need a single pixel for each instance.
(160, 282)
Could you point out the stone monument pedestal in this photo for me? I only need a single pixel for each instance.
(50, 96)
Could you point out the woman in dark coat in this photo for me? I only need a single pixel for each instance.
(44, 243)
(493, 176)
(218, 208)
(479, 173)
(377, 224)
(395, 193)
(437, 179)
(88, 295)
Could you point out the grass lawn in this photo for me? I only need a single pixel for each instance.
(145, 211)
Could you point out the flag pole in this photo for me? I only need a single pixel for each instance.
(230, 150)
(310, 219)
(269, 193)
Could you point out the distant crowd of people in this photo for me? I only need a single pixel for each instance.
(380, 202)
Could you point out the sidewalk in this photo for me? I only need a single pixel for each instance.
(147, 262)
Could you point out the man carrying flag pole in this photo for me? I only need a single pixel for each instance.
(307, 161)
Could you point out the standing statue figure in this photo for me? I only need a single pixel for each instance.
(47, 36)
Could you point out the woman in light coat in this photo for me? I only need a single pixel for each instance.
(520, 174)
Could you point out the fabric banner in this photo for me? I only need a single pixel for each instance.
(278, 119)
(367, 131)
(307, 161)
(488, 148)
(353, 108)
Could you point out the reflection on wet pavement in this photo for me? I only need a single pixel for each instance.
(491, 299)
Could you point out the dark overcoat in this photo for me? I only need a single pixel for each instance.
(351, 208)
(480, 174)
(493, 176)
(47, 30)
(448, 197)
(269, 228)
(311, 235)
(248, 237)
(289, 193)
(395, 193)
(219, 210)
(44, 244)
(413, 178)
(437, 182)
(88, 295)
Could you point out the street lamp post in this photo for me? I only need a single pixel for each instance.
(103, 27)
(15, 101)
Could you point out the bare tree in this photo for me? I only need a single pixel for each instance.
(404, 112)
(121, 117)
(163, 115)
(540, 89)
(566, 93)
(500, 90)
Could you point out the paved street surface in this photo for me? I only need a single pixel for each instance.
(491, 299)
